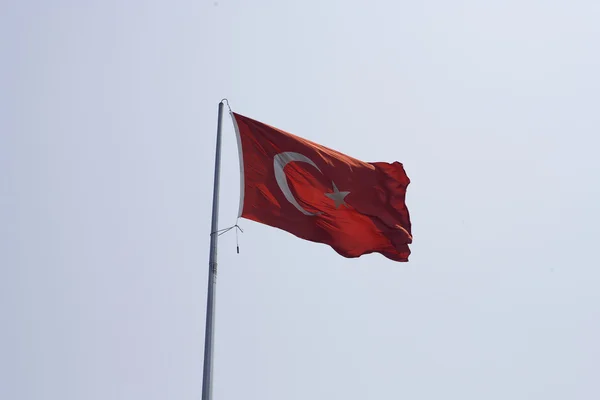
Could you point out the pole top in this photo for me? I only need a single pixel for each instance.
(225, 101)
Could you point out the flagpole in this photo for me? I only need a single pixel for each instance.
(212, 271)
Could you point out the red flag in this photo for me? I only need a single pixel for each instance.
(322, 195)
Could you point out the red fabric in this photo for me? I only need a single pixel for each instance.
(374, 217)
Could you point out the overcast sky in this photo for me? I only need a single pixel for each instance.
(107, 132)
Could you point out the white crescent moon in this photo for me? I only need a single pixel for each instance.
(279, 162)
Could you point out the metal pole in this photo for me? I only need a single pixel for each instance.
(212, 272)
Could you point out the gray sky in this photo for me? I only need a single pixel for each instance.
(107, 132)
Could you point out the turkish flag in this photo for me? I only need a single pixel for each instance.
(322, 195)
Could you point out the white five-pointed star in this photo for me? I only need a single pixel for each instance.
(337, 196)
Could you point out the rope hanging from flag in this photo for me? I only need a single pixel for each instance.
(237, 228)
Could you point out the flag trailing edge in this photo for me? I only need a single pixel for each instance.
(321, 195)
